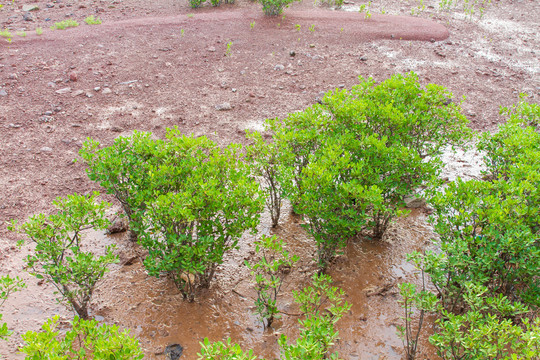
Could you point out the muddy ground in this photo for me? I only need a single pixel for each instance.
(153, 65)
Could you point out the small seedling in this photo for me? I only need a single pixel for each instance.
(62, 25)
(298, 27)
(39, 31)
(182, 32)
(228, 51)
(278, 25)
(91, 20)
(6, 34)
(252, 25)
(21, 33)
(341, 30)
(190, 15)
(312, 28)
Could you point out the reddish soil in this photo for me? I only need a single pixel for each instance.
(157, 67)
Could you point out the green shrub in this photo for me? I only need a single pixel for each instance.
(322, 306)
(8, 285)
(264, 158)
(223, 351)
(486, 330)
(195, 3)
(91, 20)
(59, 257)
(62, 25)
(202, 199)
(122, 168)
(275, 7)
(355, 157)
(269, 273)
(86, 339)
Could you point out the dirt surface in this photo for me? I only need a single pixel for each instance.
(153, 65)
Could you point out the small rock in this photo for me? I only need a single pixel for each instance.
(49, 5)
(432, 40)
(212, 49)
(311, 45)
(173, 352)
(3, 92)
(279, 67)
(223, 107)
(28, 17)
(363, 58)
(118, 225)
(27, 8)
(106, 91)
(97, 88)
(46, 119)
(48, 113)
(292, 53)
(51, 84)
(414, 202)
(13, 76)
(73, 76)
(341, 86)
(233, 90)
(46, 149)
(77, 93)
(63, 91)
(15, 126)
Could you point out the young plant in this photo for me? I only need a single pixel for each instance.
(8, 285)
(62, 25)
(265, 161)
(312, 28)
(21, 33)
(228, 50)
(223, 351)
(322, 306)
(269, 273)
(191, 15)
(215, 2)
(298, 27)
(59, 257)
(39, 31)
(91, 20)
(252, 25)
(424, 301)
(85, 339)
(6, 34)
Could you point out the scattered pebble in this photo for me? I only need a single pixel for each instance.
(63, 91)
(223, 107)
(279, 67)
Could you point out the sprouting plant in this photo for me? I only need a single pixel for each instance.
(365, 8)
(8, 285)
(278, 25)
(228, 51)
(269, 273)
(21, 33)
(252, 25)
(91, 20)
(182, 32)
(341, 30)
(62, 25)
(6, 34)
(312, 28)
(298, 27)
(190, 15)
(39, 31)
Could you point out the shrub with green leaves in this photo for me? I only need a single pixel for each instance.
(204, 199)
(264, 158)
(8, 285)
(411, 299)
(355, 157)
(275, 7)
(487, 329)
(60, 257)
(91, 20)
(122, 168)
(223, 351)
(85, 339)
(322, 305)
(269, 273)
(62, 25)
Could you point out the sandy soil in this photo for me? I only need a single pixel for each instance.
(153, 65)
